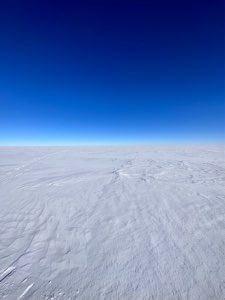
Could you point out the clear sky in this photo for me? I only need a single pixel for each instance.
(112, 71)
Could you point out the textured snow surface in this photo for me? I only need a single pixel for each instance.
(137, 222)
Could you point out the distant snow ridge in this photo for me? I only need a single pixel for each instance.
(137, 222)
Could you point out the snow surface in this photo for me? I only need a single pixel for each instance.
(137, 222)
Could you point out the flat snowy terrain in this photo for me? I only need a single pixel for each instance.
(137, 222)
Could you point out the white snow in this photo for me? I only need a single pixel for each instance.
(25, 291)
(6, 273)
(135, 222)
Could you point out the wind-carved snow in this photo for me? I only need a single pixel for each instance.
(137, 222)
(25, 291)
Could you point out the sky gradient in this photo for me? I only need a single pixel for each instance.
(111, 72)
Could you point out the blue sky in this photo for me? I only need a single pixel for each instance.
(111, 72)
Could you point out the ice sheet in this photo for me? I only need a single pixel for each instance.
(112, 222)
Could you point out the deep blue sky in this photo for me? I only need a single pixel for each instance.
(119, 71)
